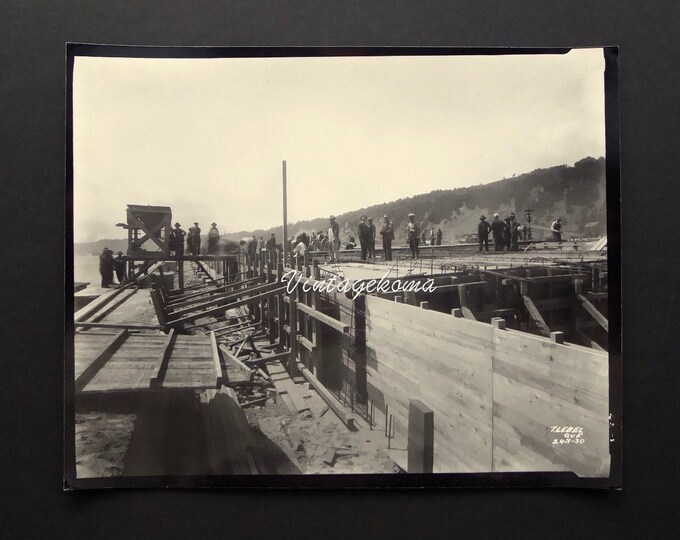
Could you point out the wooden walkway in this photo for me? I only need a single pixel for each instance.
(126, 361)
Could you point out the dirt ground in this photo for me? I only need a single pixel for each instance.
(102, 440)
(317, 442)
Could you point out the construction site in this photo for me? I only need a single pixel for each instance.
(218, 365)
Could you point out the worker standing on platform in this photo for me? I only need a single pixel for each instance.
(387, 233)
(195, 243)
(119, 267)
(413, 234)
(371, 242)
(364, 236)
(106, 267)
(510, 224)
(271, 249)
(516, 231)
(213, 239)
(440, 234)
(483, 232)
(177, 241)
(556, 229)
(334, 239)
(498, 230)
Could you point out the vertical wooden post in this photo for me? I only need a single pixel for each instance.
(420, 437)
(180, 275)
(292, 359)
(285, 213)
(317, 355)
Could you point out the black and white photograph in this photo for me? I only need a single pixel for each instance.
(379, 267)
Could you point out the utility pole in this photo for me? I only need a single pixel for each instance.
(285, 217)
(528, 213)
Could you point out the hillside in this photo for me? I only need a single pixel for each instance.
(574, 193)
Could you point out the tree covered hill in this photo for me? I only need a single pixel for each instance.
(574, 193)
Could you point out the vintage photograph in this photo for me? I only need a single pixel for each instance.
(366, 263)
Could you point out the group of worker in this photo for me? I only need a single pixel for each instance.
(107, 266)
(507, 233)
(193, 239)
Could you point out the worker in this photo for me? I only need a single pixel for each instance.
(413, 235)
(423, 241)
(525, 232)
(364, 236)
(252, 250)
(177, 240)
(556, 229)
(195, 243)
(106, 267)
(515, 234)
(213, 239)
(119, 267)
(497, 230)
(371, 242)
(483, 232)
(334, 239)
(351, 242)
(440, 234)
(323, 242)
(270, 246)
(387, 233)
(300, 250)
(510, 224)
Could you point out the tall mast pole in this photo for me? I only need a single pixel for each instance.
(285, 217)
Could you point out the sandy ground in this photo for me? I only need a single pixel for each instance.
(317, 442)
(102, 440)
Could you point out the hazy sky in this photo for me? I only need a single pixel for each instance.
(207, 136)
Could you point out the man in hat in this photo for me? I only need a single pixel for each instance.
(334, 239)
(556, 229)
(271, 249)
(364, 236)
(195, 243)
(119, 266)
(177, 240)
(213, 239)
(413, 235)
(387, 233)
(371, 242)
(510, 224)
(497, 229)
(483, 232)
(106, 267)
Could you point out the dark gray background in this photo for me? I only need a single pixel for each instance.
(32, 164)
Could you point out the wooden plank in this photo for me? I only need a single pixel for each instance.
(223, 299)
(306, 343)
(219, 309)
(159, 373)
(420, 437)
(333, 403)
(325, 319)
(594, 312)
(100, 360)
(536, 316)
(216, 360)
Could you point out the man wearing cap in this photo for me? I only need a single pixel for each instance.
(497, 229)
(106, 267)
(413, 235)
(334, 239)
(194, 239)
(387, 233)
(213, 239)
(364, 236)
(177, 240)
(483, 232)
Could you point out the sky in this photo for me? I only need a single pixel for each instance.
(207, 137)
